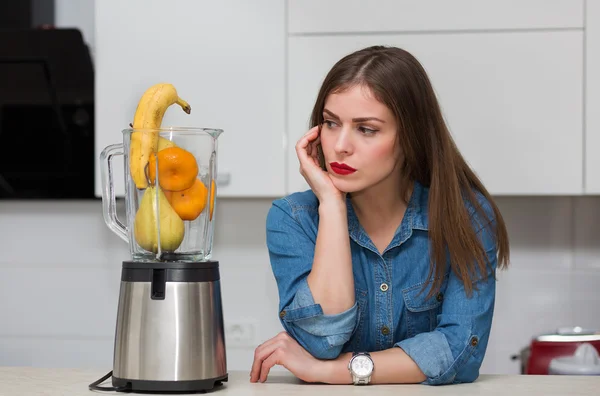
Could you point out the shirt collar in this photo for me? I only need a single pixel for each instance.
(415, 218)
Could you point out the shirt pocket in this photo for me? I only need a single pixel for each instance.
(356, 340)
(422, 311)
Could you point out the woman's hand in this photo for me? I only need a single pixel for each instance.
(318, 179)
(285, 351)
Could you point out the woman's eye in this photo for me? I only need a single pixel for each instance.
(329, 123)
(367, 131)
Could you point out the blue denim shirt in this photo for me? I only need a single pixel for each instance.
(446, 334)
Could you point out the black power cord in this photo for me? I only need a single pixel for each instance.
(95, 386)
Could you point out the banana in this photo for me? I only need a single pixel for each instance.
(149, 115)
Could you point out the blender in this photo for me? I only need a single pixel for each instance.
(169, 334)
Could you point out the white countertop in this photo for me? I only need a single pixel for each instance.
(28, 381)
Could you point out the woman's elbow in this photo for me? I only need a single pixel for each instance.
(326, 352)
(322, 347)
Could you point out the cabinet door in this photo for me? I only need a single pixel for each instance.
(226, 58)
(592, 126)
(512, 100)
(343, 16)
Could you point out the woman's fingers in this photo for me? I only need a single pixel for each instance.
(308, 137)
(273, 359)
(261, 353)
(306, 147)
(313, 130)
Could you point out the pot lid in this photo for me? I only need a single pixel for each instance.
(571, 334)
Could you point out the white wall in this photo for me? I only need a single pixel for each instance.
(60, 271)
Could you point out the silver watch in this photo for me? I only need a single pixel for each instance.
(361, 367)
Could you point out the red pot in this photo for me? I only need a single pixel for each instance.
(536, 358)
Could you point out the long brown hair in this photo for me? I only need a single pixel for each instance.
(398, 80)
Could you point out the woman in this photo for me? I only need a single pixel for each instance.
(389, 260)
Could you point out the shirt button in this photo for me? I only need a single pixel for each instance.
(474, 341)
(385, 330)
(282, 314)
(440, 296)
(384, 287)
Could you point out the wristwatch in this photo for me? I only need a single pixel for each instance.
(361, 367)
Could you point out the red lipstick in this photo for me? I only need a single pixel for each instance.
(342, 169)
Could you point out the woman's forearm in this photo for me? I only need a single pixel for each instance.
(392, 366)
(331, 281)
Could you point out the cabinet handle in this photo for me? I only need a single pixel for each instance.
(223, 179)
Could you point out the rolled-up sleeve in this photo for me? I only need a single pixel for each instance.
(291, 252)
(454, 351)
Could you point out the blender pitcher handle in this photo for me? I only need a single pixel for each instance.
(109, 205)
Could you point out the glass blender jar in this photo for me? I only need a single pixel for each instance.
(170, 194)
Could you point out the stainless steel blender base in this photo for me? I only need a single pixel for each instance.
(169, 334)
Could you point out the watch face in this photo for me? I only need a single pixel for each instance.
(362, 366)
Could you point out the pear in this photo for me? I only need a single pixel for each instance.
(164, 143)
(172, 229)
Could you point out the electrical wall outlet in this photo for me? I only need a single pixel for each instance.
(241, 334)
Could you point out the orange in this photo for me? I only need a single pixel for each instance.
(189, 203)
(212, 198)
(177, 168)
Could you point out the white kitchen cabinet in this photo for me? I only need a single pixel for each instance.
(344, 16)
(226, 58)
(512, 100)
(592, 96)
